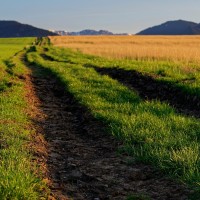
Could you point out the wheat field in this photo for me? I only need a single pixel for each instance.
(174, 48)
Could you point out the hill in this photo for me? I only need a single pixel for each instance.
(178, 27)
(10, 29)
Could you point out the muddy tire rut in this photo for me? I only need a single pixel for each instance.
(151, 89)
(79, 159)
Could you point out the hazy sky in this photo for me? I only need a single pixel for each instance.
(129, 16)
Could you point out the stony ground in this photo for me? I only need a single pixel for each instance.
(78, 159)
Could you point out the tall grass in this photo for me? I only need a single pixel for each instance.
(173, 48)
(152, 131)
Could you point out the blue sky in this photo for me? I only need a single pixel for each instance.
(118, 16)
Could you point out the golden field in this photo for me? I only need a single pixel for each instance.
(174, 48)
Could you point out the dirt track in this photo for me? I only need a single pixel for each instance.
(79, 160)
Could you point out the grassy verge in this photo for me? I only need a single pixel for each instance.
(152, 131)
(18, 179)
(8, 48)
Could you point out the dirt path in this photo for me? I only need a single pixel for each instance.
(78, 159)
(149, 88)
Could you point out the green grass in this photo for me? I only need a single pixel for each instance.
(18, 178)
(138, 197)
(10, 46)
(152, 131)
(186, 78)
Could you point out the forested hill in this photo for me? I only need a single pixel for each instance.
(10, 29)
(178, 27)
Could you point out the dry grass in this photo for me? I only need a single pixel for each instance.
(175, 48)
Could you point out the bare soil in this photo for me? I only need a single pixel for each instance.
(78, 159)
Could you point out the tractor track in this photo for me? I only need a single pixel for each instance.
(77, 158)
(149, 88)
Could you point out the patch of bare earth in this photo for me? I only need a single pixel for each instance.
(78, 159)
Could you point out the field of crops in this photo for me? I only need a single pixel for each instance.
(172, 59)
(173, 48)
(144, 92)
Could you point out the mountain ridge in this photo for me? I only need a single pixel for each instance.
(176, 27)
(89, 32)
(11, 28)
